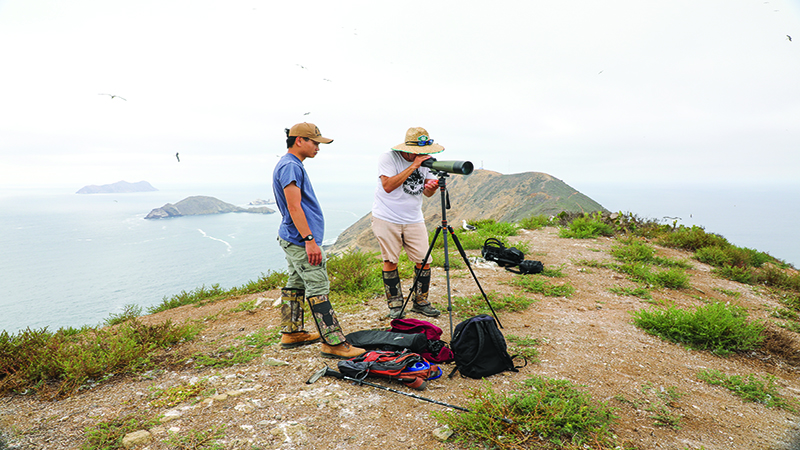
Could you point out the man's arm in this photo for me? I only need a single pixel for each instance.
(391, 183)
(293, 197)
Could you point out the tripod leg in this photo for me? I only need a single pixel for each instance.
(466, 261)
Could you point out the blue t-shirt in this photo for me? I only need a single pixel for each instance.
(288, 169)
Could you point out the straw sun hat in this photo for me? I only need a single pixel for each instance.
(418, 142)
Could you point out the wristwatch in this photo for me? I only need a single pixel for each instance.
(310, 237)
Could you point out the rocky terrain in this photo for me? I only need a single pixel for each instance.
(587, 338)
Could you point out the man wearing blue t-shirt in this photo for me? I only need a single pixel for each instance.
(300, 235)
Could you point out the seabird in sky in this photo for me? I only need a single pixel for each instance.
(178, 157)
(114, 96)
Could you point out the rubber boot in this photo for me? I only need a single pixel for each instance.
(292, 333)
(334, 344)
(421, 303)
(394, 293)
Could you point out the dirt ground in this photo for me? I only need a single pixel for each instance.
(587, 338)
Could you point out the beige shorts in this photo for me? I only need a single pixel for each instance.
(394, 237)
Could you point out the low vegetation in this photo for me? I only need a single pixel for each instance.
(750, 388)
(544, 413)
(717, 327)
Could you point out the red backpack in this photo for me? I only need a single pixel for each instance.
(437, 350)
(409, 368)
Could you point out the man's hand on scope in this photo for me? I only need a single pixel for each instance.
(417, 163)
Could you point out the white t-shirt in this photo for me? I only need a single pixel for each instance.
(404, 204)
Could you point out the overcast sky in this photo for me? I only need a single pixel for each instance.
(673, 91)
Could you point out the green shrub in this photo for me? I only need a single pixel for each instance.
(356, 274)
(691, 239)
(744, 275)
(586, 227)
(34, 357)
(640, 292)
(108, 435)
(546, 413)
(539, 286)
(128, 312)
(476, 304)
(672, 278)
(713, 256)
(633, 251)
(492, 227)
(717, 327)
(193, 297)
(750, 388)
(266, 282)
(535, 222)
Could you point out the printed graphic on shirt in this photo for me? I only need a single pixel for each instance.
(414, 184)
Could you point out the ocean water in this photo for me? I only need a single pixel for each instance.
(72, 260)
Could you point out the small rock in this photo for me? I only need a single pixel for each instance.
(170, 415)
(442, 433)
(244, 408)
(136, 438)
(275, 362)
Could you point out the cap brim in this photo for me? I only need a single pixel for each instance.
(417, 150)
(321, 140)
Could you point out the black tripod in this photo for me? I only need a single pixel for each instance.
(444, 226)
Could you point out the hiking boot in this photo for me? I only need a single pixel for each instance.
(396, 313)
(341, 351)
(292, 340)
(427, 310)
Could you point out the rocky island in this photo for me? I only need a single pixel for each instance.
(120, 187)
(202, 205)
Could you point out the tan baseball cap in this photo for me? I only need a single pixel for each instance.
(310, 131)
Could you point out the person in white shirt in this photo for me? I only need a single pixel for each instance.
(397, 220)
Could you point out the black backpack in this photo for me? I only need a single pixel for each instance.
(527, 267)
(494, 250)
(480, 348)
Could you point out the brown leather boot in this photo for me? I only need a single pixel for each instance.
(292, 340)
(341, 351)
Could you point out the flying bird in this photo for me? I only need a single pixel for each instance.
(307, 113)
(467, 226)
(178, 157)
(114, 96)
(789, 38)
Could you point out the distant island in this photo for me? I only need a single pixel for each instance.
(201, 205)
(120, 187)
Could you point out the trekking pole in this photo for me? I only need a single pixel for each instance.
(327, 371)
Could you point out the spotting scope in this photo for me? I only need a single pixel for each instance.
(458, 167)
